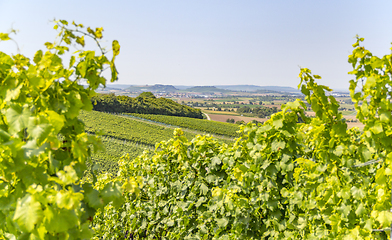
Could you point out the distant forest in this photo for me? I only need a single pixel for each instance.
(145, 103)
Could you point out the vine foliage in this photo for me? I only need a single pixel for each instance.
(294, 177)
(43, 145)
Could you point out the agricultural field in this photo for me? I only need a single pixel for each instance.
(224, 117)
(202, 125)
(123, 128)
(222, 109)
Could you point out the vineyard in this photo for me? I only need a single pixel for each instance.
(293, 177)
(123, 128)
(106, 160)
(123, 135)
(201, 125)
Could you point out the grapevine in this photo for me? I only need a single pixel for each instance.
(293, 177)
(43, 145)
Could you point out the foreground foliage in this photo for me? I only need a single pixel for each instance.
(292, 178)
(43, 145)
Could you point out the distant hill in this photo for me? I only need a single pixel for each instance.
(281, 89)
(254, 88)
(182, 87)
(117, 86)
(152, 88)
(160, 88)
(246, 88)
(206, 89)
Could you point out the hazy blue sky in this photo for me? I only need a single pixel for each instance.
(215, 42)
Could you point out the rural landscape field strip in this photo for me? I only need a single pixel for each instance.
(226, 129)
(126, 128)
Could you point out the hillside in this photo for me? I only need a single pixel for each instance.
(245, 88)
(146, 103)
(202, 125)
(205, 89)
(123, 134)
(152, 88)
(254, 88)
(161, 88)
(281, 89)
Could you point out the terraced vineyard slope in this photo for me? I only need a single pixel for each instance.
(122, 135)
(128, 129)
(227, 129)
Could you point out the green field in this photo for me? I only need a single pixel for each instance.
(227, 129)
(123, 128)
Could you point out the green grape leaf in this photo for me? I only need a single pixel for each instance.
(115, 48)
(38, 56)
(377, 128)
(203, 189)
(4, 37)
(112, 193)
(385, 117)
(215, 161)
(384, 218)
(39, 132)
(17, 117)
(277, 145)
(5, 136)
(222, 222)
(278, 123)
(59, 220)
(31, 148)
(380, 176)
(370, 82)
(357, 193)
(68, 176)
(68, 199)
(56, 120)
(28, 212)
(339, 150)
(360, 210)
(92, 196)
(13, 93)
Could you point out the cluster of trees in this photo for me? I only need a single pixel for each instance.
(239, 122)
(231, 120)
(260, 112)
(145, 103)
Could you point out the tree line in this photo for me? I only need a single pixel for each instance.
(145, 103)
(260, 112)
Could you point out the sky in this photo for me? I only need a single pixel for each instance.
(214, 42)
